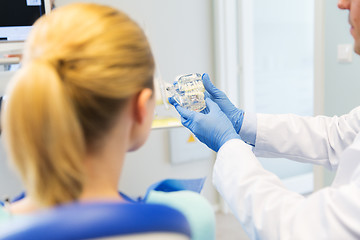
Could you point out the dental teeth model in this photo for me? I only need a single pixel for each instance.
(188, 92)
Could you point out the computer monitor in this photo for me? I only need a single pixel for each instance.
(17, 17)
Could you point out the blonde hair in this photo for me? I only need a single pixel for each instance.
(81, 64)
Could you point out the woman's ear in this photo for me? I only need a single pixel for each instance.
(142, 102)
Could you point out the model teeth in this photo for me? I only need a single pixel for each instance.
(189, 90)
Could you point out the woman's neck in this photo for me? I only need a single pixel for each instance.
(24, 206)
(103, 168)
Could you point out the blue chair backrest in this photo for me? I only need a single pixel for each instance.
(97, 220)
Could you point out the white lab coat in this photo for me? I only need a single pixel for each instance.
(258, 198)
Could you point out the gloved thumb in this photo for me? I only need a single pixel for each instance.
(208, 84)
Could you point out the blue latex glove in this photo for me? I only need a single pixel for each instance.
(212, 128)
(235, 115)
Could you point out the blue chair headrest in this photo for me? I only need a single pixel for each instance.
(95, 220)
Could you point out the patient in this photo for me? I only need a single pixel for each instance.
(83, 98)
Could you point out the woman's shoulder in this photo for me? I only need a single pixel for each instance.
(195, 207)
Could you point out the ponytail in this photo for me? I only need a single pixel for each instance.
(43, 135)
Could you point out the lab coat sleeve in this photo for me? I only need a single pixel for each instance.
(248, 128)
(318, 140)
(267, 210)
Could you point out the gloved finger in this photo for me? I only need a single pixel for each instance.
(206, 110)
(186, 123)
(207, 95)
(184, 113)
(172, 101)
(212, 105)
(182, 119)
(210, 88)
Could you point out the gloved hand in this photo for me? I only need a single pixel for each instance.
(212, 128)
(235, 115)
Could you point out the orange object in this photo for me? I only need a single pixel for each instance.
(191, 139)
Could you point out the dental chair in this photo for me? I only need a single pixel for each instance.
(106, 220)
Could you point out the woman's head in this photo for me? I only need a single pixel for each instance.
(82, 64)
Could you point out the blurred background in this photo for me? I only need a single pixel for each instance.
(277, 56)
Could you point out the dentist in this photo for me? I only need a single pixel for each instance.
(265, 208)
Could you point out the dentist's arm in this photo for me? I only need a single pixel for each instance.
(266, 209)
(318, 140)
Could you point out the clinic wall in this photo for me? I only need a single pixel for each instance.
(341, 83)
